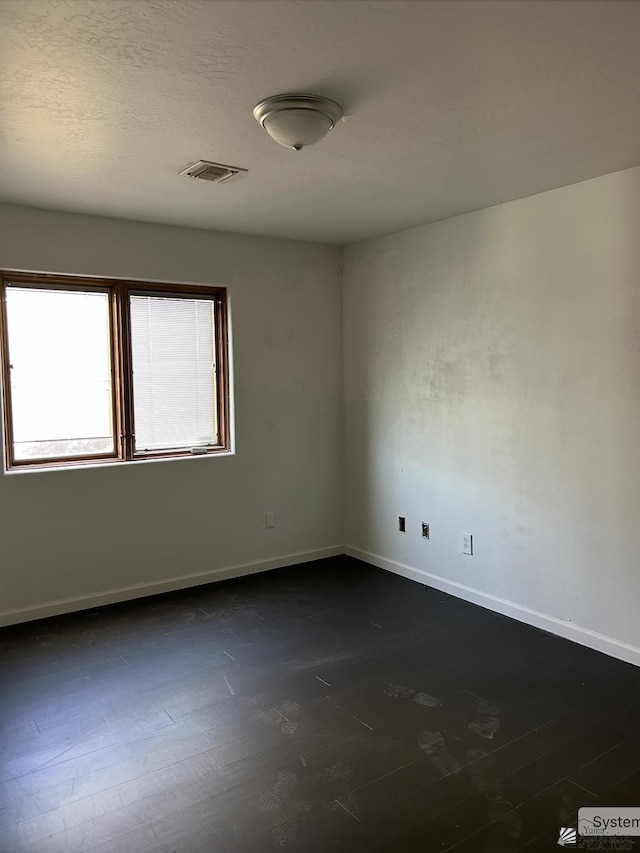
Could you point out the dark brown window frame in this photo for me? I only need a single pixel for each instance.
(119, 291)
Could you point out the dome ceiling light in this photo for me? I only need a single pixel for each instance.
(297, 120)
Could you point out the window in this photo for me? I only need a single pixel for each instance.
(98, 371)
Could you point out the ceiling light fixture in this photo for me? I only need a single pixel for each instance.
(297, 120)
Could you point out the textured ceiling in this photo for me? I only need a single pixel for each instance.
(453, 106)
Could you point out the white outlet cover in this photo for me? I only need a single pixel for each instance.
(270, 520)
(466, 541)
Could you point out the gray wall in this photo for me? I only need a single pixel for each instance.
(69, 534)
(492, 385)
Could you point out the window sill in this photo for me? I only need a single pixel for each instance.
(116, 463)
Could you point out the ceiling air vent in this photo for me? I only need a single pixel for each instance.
(216, 172)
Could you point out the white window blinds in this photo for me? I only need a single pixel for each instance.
(174, 389)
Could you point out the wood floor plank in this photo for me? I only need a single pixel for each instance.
(605, 771)
(514, 828)
(327, 706)
(626, 792)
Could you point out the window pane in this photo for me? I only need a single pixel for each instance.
(60, 357)
(174, 391)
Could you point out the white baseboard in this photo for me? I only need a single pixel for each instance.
(568, 630)
(112, 596)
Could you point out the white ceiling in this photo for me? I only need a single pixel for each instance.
(453, 106)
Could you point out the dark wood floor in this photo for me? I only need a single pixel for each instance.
(331, 707)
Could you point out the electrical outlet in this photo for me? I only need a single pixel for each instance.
(425, 530)
(402, 524)
(466, 541)
(270, 520)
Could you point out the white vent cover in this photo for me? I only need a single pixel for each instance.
(216, 172)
